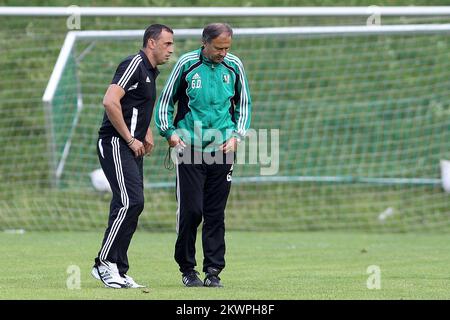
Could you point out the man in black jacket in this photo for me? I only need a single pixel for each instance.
(124, 138)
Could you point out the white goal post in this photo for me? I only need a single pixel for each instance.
(57, 166)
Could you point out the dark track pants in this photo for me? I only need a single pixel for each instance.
(125, 175)
(202, 192)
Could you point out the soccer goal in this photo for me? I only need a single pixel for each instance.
(360, 115)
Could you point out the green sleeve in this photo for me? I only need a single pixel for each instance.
(243, 108)
(166, 102)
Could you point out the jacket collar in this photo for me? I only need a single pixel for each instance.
(204, 59)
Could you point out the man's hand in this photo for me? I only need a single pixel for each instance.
(148, 142)
(230, 145)
(138, 148)
(175, 140)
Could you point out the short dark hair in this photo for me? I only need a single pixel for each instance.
(213, 30)
(154, 32)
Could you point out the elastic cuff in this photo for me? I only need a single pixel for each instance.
(237, 135)
(167, 134)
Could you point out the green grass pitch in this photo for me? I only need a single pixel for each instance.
(260, 265)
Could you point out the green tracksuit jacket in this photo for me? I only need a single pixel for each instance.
(214, 101)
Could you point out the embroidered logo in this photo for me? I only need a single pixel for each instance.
(134, 86)
(196, 82)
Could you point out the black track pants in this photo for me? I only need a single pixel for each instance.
(125, 175)
(202, 192)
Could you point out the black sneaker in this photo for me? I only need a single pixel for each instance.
(212, 278)
(190, 279)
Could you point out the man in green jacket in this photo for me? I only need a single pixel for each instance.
(213, 115)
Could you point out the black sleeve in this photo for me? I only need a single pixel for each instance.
(127, 73)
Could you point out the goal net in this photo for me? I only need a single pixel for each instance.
(355, 122)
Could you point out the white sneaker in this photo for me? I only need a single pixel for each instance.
(94, 273)
(129, 280)
(107, 272)
(131, 283)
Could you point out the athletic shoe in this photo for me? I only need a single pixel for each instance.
(94, 273)
(212, 278)
(190, 279)
(129, 280)
(107, 272)
(131, 283)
